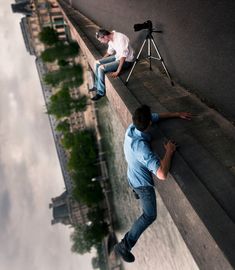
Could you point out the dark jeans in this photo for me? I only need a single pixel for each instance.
(148, 202)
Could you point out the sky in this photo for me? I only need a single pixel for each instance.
(30, 174)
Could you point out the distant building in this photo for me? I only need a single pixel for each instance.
(67, 211)
(39, 14)
(23, 7)
(25, 28)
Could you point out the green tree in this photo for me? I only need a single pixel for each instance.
(69, 75)
(83, 167)
(61, 104)
(96, 214)
(88, 192)
(79, 242)
(85, 237)
(78, 105)
(63, 126)
(84, 155)
(68, 140)
(48, 36)
(63, 63)
(60, 51)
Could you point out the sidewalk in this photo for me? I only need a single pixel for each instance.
(202, 179)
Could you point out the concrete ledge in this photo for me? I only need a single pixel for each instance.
(201, 206)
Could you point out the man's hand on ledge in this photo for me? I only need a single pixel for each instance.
(182, 115)
(114, 74)
(185, 115)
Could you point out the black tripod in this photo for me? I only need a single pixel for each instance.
(150, 41)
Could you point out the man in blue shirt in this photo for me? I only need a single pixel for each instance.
(142, 163)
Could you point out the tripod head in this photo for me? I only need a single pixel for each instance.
(156, 31)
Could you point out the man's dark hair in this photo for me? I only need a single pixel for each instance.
(142, 117)
(101, 33)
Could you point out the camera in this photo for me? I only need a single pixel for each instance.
(146, 25)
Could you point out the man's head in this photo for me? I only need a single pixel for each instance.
(103, 35)
(142, 118)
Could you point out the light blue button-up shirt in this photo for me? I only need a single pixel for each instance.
(141, 160)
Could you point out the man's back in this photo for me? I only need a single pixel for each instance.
(140, 158)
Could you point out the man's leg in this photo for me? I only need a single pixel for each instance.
(102, 70)
(148, 201)
(101, 62)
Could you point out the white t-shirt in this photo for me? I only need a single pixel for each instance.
(121, 47)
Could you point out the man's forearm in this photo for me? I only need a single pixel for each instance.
(166, 162)
(169, 115)
(106, 55)
(121, 62)
(182, 115)
(165, 165)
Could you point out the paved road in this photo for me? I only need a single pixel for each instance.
(197, 42)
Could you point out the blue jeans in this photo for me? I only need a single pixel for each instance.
(148, 201)
(110, 64)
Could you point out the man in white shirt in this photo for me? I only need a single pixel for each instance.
(119, 56)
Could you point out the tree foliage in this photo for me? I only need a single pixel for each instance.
(82, 164)
(96, 214)
(63, 126)
(48, 36)
(68, 140)
(88, 192)
(60, 51)
(61, 104)
(71, 76)
(85, 152)
(85, 236)
(63, 63)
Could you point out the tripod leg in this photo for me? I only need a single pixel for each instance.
(149, 54)
(136, 61)
(162, 62)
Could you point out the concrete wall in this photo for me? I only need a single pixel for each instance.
(208, 234)
(197, 43)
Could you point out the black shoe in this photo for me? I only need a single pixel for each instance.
(136, 195)
(92, 89)
(126, 255)
(97, 97)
